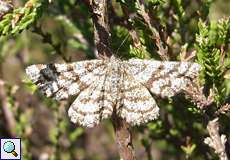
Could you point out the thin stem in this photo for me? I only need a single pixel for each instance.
(101, 28)
(216, 140)
(123, 138)
(99, 9)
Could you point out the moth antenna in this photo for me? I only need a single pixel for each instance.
(126, 37)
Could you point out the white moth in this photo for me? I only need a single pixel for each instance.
(111, 86)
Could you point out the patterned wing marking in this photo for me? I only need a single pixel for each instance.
(163, 78)
(137, 104)
(62, 80)
(92, 105)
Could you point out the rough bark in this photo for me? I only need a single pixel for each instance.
(99, 9)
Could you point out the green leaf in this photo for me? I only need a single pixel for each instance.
(53, 133)
(75, 134)
(189, 149)
(30, 85)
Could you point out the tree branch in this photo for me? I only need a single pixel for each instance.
(162, 50)
(99, 9)
(123, 138)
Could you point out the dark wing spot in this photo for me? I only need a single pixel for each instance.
(50, 72)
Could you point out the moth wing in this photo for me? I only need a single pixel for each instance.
(63, 80)
(163, 78)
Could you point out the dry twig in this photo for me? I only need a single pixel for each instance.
(162, 51)
(216, 141)
(128, 25)
(195, 93)
(224, 109)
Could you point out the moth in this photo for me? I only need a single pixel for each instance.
(104, 87)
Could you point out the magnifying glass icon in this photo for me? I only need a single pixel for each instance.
(9, 147)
